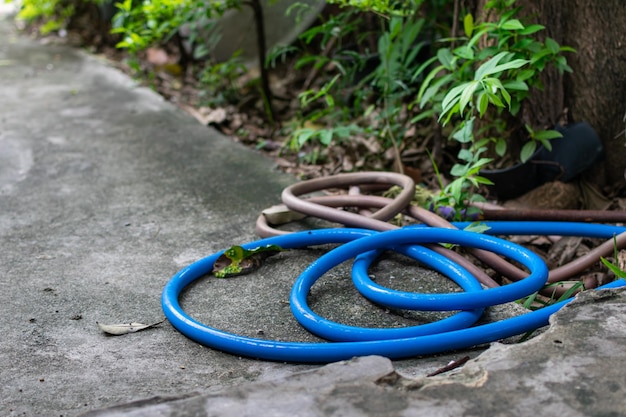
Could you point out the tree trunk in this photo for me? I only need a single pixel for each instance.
(596, 90)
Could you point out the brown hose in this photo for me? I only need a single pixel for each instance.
(588, 216)
(330, 203)
(291, 193)
(326, 208)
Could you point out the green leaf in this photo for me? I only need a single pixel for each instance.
(530, 29)
(539, 56)
(452, 98)
(561, 64)
(547, 135)
(483, 102)
(525, 74)
(618, 272)
(423, 115)
(303, 135)
(483, 180)
(456, 189)
(434, 88)
(512, 24)
(467, 94)
(444, 55)
(500, 147)
(422, 68)
(477, 227)
(465, 155)
(553, 46)
(481, 72)
(465, 134)
(516, 63)
(458, 170)
(326, 136)
(345, 131)
(468, 24)
(453, 110)
(482, 162)
(464, 52)
(527, 151)
(431, 75)
(579, 286)
(515, 85)
(478, 35)
(494, 99)
(506, 96)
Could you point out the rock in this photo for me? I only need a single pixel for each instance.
(552, 195)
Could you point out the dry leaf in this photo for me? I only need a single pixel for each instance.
(125, 328)
(216, 116)
(156, 56)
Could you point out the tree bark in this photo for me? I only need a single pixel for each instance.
(596, 89)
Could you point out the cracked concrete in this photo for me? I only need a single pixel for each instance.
(575, 368)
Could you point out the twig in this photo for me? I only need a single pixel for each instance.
(452, 365)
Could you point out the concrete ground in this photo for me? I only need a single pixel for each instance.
(106, 191)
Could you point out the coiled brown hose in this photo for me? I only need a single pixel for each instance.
(326, 207)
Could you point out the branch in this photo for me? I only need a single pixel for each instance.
(262, 48)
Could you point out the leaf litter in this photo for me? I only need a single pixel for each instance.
(125, 328)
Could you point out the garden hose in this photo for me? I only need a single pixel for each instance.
(368, 235)
(430, 302)
(314, 207)
(264, 229)
(401, 299)
(324, 352)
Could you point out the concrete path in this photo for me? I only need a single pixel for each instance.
(106, 191)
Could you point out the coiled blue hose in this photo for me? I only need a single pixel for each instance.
(408, 300)
(395, 348)
(440, 302)
(440, 263)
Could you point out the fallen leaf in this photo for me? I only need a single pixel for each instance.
(564, 250)
(125, 328)
(216, 116)
(238, 261)
(156, 56)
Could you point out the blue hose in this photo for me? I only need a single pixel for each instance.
(462, 319)
(592, 230)
(395, 348)
(409, 300)
(440, 302)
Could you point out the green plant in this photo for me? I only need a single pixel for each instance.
(489, 75)
(535, 301)
(478, 83)
(54, 15)
(620, 273)
(152, 22)
(368, 89)
(382, 7)
(144, 23)
(325, 136)
(219, 81)
(459, 195)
